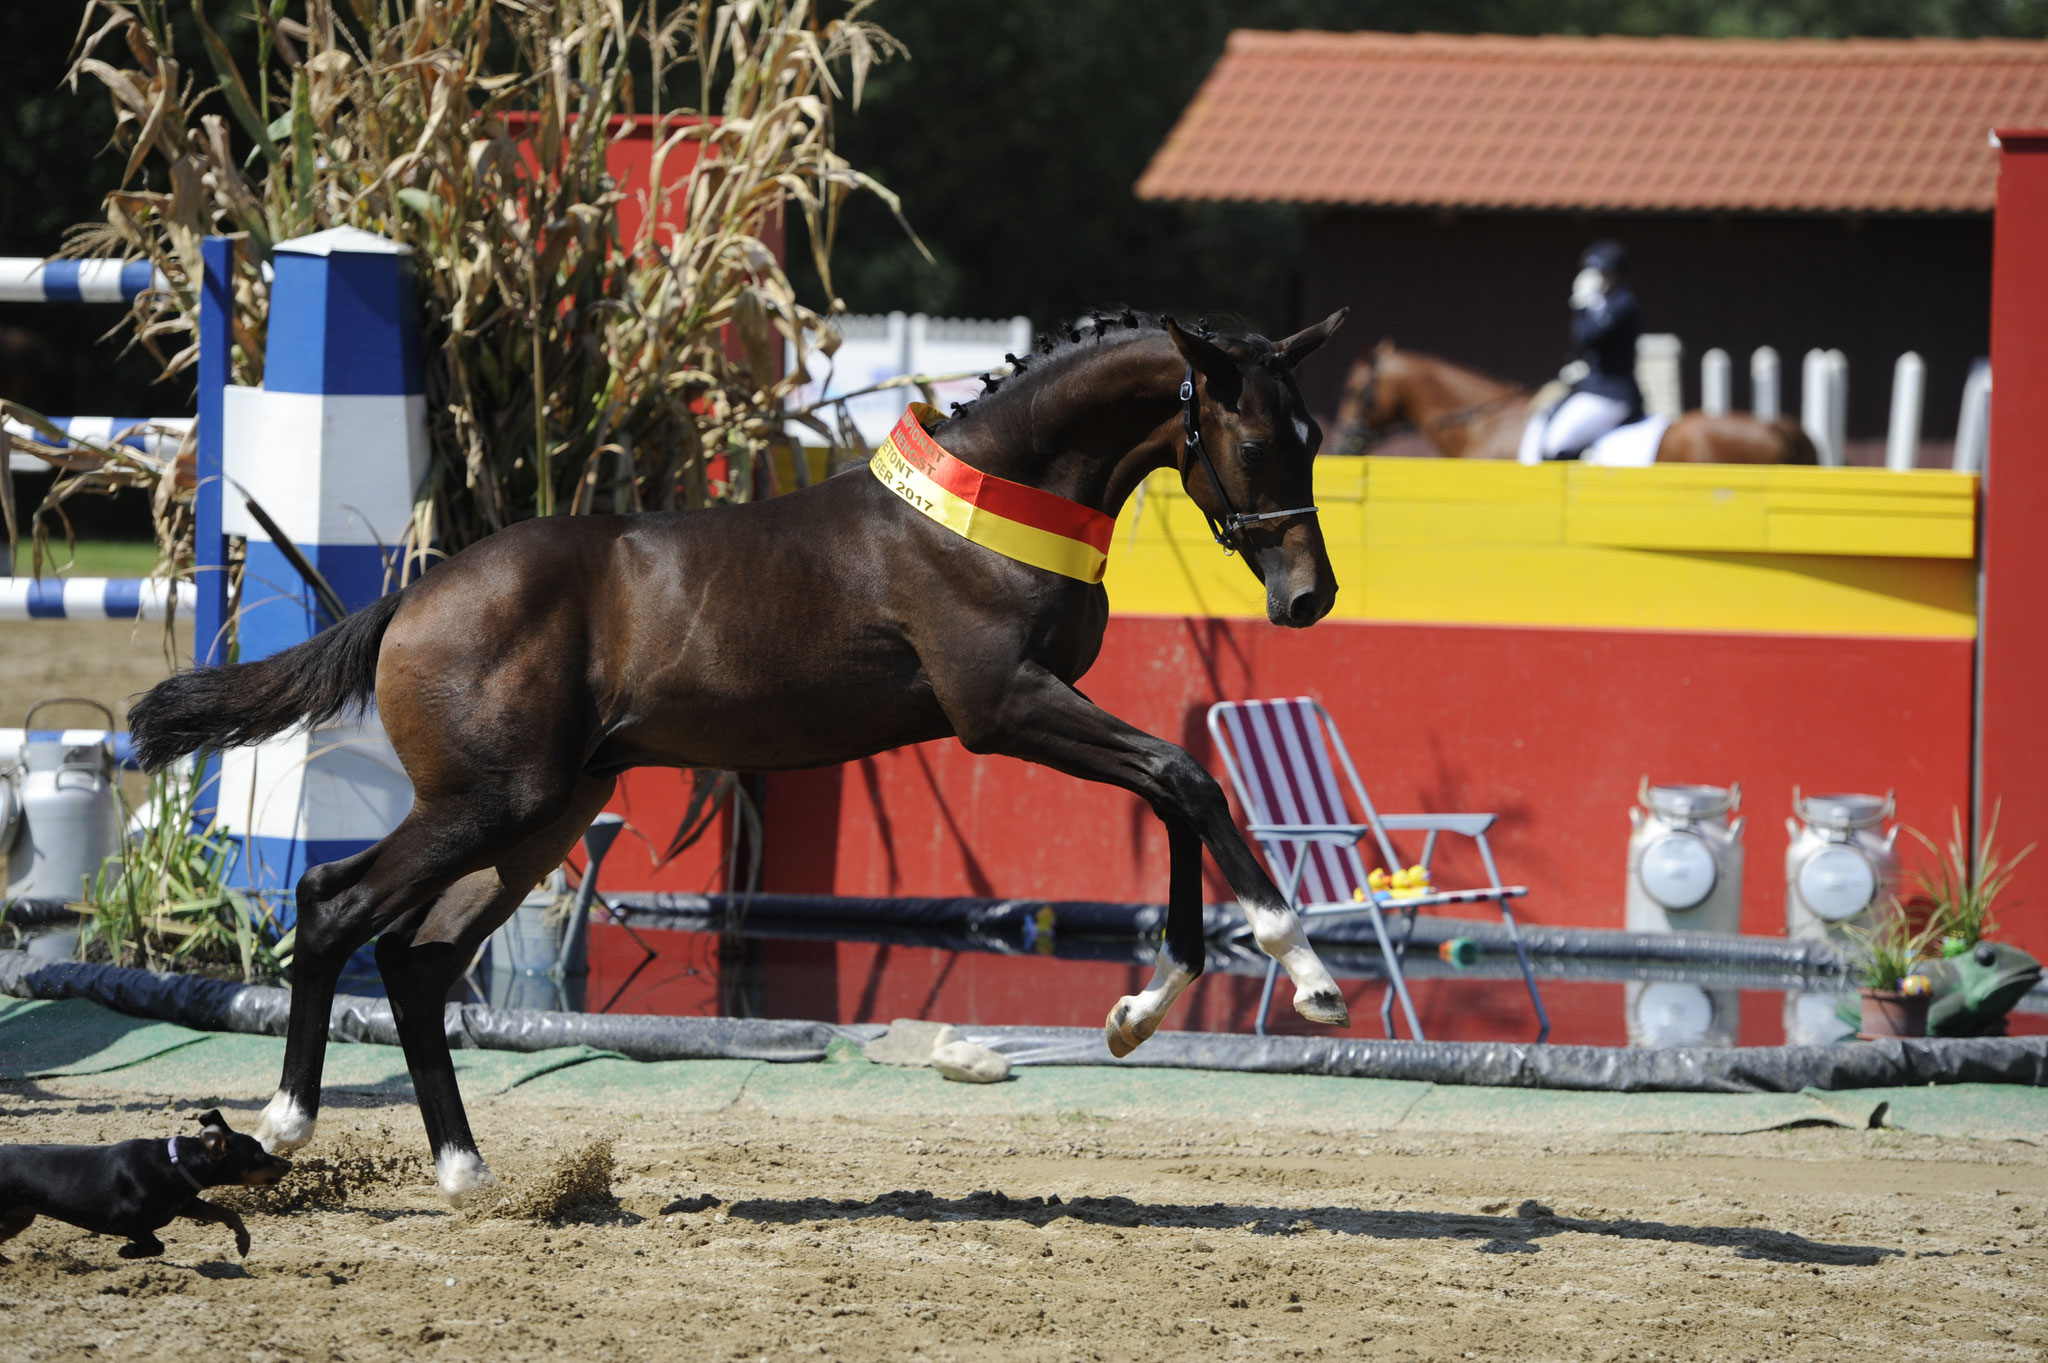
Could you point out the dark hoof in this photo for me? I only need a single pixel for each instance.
(1328, 1008)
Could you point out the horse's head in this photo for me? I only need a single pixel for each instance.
(1366, 404)
(1243, 409)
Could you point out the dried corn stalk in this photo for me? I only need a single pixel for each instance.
(567, 369)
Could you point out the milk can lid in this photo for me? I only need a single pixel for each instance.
(1690, 802)
(1843, 812)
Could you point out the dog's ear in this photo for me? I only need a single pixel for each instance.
(212, 1117)
(214, 1138)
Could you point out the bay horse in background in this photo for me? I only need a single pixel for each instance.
(518, 679)
(1467, 415)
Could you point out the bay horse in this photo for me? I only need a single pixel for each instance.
(1467, 415)
(517, 680)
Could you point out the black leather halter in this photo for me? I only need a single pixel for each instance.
(1229, 528)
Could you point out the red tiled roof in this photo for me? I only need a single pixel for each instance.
(1862, 125)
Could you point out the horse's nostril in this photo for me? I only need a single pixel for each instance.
(1304, 609)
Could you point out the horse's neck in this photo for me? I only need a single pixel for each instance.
(1088, 427)
(1429, 393)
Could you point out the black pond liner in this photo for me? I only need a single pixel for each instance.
(1004, 924)
(224, 1006)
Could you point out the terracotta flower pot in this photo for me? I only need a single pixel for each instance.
(1888, 1013)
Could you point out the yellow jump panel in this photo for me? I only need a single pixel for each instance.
(1783, 550)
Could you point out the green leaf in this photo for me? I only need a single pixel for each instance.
(232, 87)
(423, 203)
(303, 158)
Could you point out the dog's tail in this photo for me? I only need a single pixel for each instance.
(1798, 444)
(227, 707)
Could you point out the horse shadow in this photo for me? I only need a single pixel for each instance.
(1519, 1232)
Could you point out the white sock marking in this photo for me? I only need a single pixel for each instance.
(462, 1173)
(1149, 1009)
(284, 1125)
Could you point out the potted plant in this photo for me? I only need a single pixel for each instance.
(1894, 998)
(1975, 981)
(1960, 895)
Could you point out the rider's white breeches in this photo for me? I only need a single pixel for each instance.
(1573, 424)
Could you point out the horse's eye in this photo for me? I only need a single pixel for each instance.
(1253, 450)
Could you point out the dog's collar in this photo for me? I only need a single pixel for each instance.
(172, 1147)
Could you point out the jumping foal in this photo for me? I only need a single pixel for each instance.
(517, 680)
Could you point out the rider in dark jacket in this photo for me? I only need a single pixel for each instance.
(1605, 325)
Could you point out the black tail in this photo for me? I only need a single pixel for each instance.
(227, 707)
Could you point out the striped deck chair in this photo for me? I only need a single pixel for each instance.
(1277, 753)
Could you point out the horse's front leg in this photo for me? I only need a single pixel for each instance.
(1041, 719)
(1182, 953)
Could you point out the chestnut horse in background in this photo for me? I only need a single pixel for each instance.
(1467, 415)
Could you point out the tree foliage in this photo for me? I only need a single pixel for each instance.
(1014, 135)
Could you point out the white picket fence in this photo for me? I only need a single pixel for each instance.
(1824, 401)
(875, 348)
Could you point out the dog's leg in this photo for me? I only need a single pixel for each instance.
(199, 1209)
(13, 1222)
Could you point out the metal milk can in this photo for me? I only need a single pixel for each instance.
(70, 815)
(1838, 865)
(1685, 860)
(1838, 869)
(1684, 875)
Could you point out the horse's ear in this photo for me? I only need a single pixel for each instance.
(1386, 345)
(1213, 362)
(1303, 344)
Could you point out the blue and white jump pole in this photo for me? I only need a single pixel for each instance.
(332, 447)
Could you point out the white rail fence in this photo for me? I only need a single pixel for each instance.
(1824, 401)
(875, 348)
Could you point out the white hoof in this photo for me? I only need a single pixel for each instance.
(284, 1126)
(462, 1175)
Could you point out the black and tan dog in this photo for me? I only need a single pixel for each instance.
(133, 1188)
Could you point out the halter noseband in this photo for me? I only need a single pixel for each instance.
(1229, 529)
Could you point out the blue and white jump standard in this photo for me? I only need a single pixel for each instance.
(332, 447)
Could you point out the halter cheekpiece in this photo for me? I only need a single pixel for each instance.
(1229, 528)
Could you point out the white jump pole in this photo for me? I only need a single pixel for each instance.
(1838, 406)
(30, 279)
(1763, 384)
(1902, 437)
(1716, 379)
(1973, 428)
(1813, 402)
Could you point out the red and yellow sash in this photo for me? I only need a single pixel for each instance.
(1019, 522)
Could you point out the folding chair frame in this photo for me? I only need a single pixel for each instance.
(1306, 837)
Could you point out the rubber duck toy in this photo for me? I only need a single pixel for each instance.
(1412, 883)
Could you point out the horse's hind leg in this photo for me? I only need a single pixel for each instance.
(342, 905)
(421, 961)
(330, 926)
